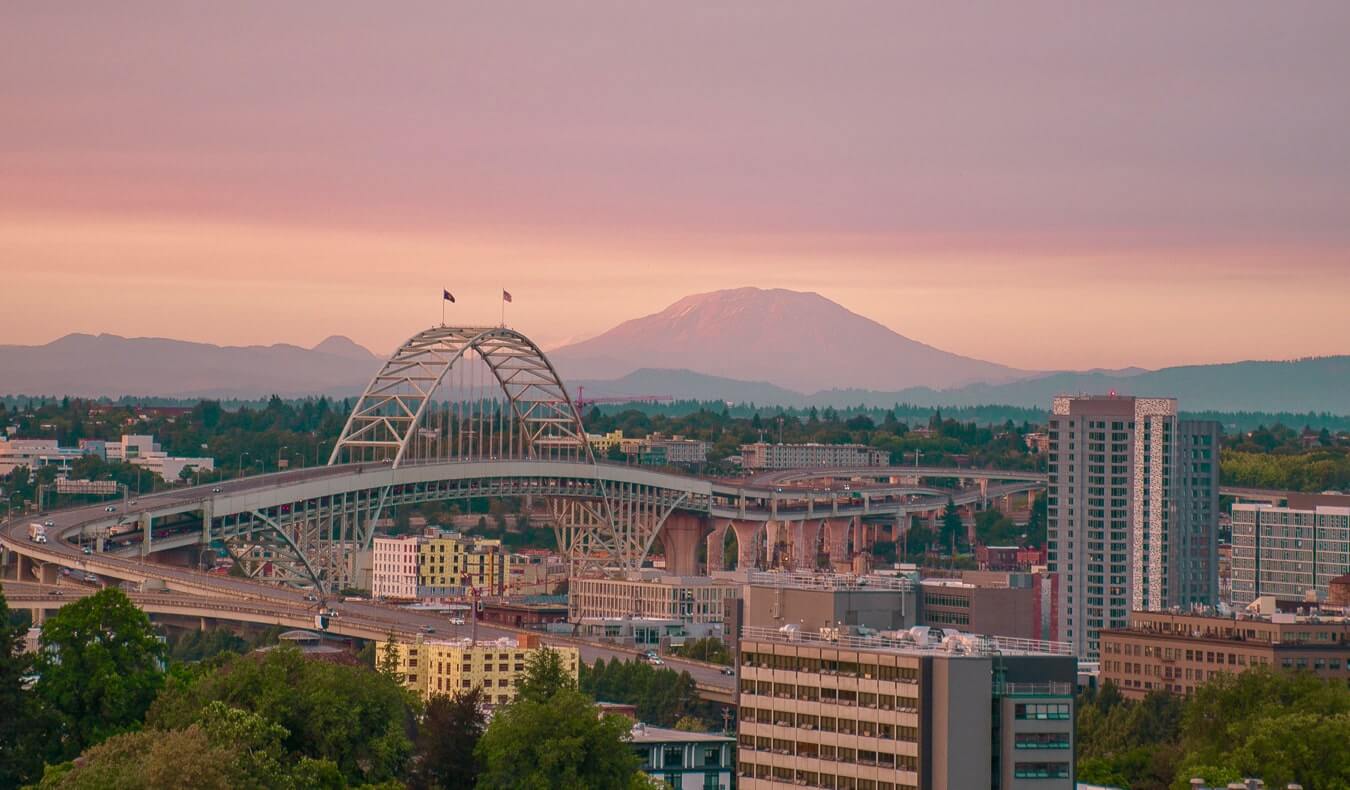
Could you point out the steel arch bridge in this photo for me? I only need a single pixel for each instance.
(465, 395)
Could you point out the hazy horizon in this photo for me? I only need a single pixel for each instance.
(1039, 185)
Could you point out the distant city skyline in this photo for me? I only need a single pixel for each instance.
(1040, 188)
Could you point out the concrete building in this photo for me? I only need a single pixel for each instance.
(890, 713)
(987, 602)
(685, 760)
(1178, 652)
(1132, 509)
(1290, 552)
(644, 595)
(445, 666)
(393, 570)
(448, 563)
(142, 450)
(36, 454)
(762, 455)
(814, 601)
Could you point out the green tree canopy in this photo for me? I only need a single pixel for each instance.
(545, 675)
(19, 760)
(558, 743)
(100, 667)
(446, 738)
(357, 719)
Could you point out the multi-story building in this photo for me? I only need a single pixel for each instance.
(1289, 552)
(989, 602)
(678, 450)
(646, 596)
(448, 562)
(837, 711)
(1178, 652)
(812, 601)
(762, 455)
(1132, 510)
(36, 454)
(393, 569)
(685, 760)
(446, 666)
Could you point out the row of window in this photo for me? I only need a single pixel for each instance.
(825, 666)
(1043, 710)
(829, 696)
(831, 724)
(829, 753)
(749, 769)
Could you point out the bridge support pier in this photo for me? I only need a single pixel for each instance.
(837, 531)
(747, 542)
(805, 544)
(680, 536)
(50, 573)
(717, 541)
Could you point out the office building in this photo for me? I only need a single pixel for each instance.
(762, 455)
(1289, 552)
(814, 601)
(1178, 652)
(445, 666)
(891, 712)
(988, 602)
(685, 760)
(438, 564)
(1132, 510)
(648, 596)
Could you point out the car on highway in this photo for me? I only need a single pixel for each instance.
(426, 629)
(216, 490)
(311, 597)
(89, 577)
(456, 621)
(88, 550)
(56, 592)
(111, 508)
(655, 661)
(730, 671)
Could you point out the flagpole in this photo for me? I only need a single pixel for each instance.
(503, 308)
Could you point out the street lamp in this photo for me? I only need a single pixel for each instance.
(280, 449)
(240, 471)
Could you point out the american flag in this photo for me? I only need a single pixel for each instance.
(506, 295)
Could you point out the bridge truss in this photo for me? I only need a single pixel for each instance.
(456, 394)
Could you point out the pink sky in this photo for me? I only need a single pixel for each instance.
(1037, 185)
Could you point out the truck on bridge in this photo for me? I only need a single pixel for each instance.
(37, 532)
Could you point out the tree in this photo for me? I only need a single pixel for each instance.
(19, 761)
(449, 732)
(545, 675)
(691, 724)
(560, 742)
(100, 667)
(953, 529)
(389, 658)
(357, 719)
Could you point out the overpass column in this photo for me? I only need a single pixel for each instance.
(21, 568)
(147, 533)
(774, 535)
(38, 615)
(747, 536)
(805, 536)
(679, 539)
(717, 540)
(837, 533)
(50, 573)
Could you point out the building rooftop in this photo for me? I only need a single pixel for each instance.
(801, 580)
(920, 640)
(646, 733)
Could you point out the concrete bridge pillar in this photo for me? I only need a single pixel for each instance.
(747, 543)
(775, 542)
(805, 542)
(50, 573)
(680, 536)
(717, 540)
(39, 615)
(21, 568)
(837, 533)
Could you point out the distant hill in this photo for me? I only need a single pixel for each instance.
(110, 365)
(1307, 385)
(790, 339)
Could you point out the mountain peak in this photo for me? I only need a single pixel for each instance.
(800, 340)
(343, 346)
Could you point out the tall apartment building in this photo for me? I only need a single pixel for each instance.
(1287, 552)
(445, 666)
(393, 567)
(437, 564)
(1132, 509)
(762, 455)
(831, 711)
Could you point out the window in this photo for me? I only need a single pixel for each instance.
(1041, 740)
(1053, 710)
(672, 757)
(1041, 770)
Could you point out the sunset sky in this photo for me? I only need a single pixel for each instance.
(1046, 185)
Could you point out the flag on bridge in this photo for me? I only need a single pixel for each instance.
(447, 296)
(506, 295)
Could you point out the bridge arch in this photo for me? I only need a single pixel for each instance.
(400, 405)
